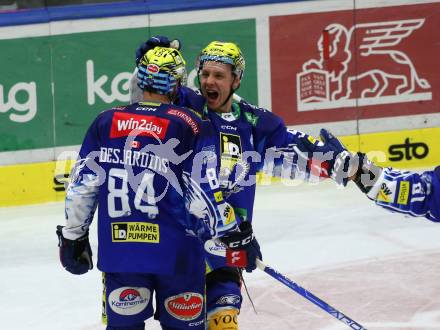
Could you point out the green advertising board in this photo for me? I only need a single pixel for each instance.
(26, 102)
(52, 87)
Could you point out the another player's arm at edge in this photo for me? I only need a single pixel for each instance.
(406, 192)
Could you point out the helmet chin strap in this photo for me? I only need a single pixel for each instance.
(231, 92)
(229, 96)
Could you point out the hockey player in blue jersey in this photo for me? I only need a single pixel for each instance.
(251, 139)
(406, 192)
(152, 169)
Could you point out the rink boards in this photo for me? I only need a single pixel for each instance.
(302, 63)
(44, 182)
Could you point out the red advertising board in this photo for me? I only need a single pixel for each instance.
(355, 64)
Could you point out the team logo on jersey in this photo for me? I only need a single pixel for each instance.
(186, 306)
(186, 118)
(124, 124)
(129, 300)
(142, 232)
(230, 148)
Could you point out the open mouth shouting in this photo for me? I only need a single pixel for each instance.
(212, 95)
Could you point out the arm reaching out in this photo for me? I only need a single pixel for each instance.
(407, 192)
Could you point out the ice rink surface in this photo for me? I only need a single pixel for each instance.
(379, 268)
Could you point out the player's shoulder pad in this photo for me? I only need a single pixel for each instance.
(108, 113)
(259, 116)
(190, 117)
(196, 113)
(117, 108)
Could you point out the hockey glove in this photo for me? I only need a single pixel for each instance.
(367, 173)
(161, 41)
(242, 247)
(348, 166)
(75, 255)
(343, 164)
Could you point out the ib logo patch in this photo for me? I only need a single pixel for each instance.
(119, 231)
(230, 147)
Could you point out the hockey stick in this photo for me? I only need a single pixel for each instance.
(310, 296)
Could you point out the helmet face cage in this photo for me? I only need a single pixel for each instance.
(225, 53)
(161, 70)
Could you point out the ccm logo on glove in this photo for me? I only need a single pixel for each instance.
(239, 244)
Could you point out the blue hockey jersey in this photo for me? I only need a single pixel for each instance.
(148, 165)
(410, 193)
(253, 139)
(256, 139)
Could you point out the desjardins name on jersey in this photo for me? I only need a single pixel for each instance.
(134, 158)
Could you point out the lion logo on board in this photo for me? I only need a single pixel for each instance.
(384, 74)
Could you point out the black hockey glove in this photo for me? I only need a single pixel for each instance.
(239, 242)
(367, 173)
(75, 255)
(347, 166)
(343, 164)
(161, 41)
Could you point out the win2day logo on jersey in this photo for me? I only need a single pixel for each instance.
(124, 124)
